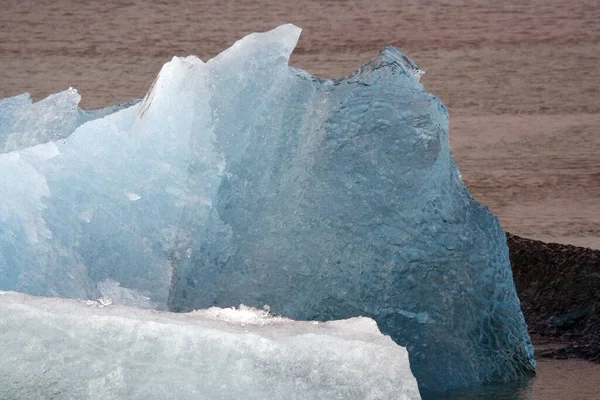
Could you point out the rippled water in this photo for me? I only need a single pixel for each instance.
(521, 80)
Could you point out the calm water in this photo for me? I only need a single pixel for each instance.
(556, 379)
(521, 80)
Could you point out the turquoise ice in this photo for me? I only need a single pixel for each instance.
(242, 180)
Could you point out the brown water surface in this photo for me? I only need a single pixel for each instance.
(555, 380)
(521, 80)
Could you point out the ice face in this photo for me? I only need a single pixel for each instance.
(242, 180)
(65, 349)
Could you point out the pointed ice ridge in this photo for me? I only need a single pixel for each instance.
(23, 124)
(394, 59)
(261, 49)
(10, 110)
(242, 180)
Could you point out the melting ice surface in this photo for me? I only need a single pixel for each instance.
(127, 353)
(242, 180)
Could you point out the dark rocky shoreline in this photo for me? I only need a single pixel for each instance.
(559, 288)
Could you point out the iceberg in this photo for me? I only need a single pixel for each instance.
(55, 348)
(241, 180)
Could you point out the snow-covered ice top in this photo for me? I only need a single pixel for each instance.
(244, 181)
(67, 349)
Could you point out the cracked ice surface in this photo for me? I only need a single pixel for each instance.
(242, 180)
(66, 349)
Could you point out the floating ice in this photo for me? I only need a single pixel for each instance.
(242, 180)
(54, 348)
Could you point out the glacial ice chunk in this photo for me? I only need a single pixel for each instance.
(67, 349)
(340, 198)
(242, 180)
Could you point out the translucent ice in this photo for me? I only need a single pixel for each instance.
(242, 180)
(10, 110)
(23, 124)
(54, 348)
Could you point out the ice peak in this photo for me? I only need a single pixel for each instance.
(278, 43)
(394, 58)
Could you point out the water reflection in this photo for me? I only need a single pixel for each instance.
(555, 380)
(510, 391)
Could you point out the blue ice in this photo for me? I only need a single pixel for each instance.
(242, 180)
